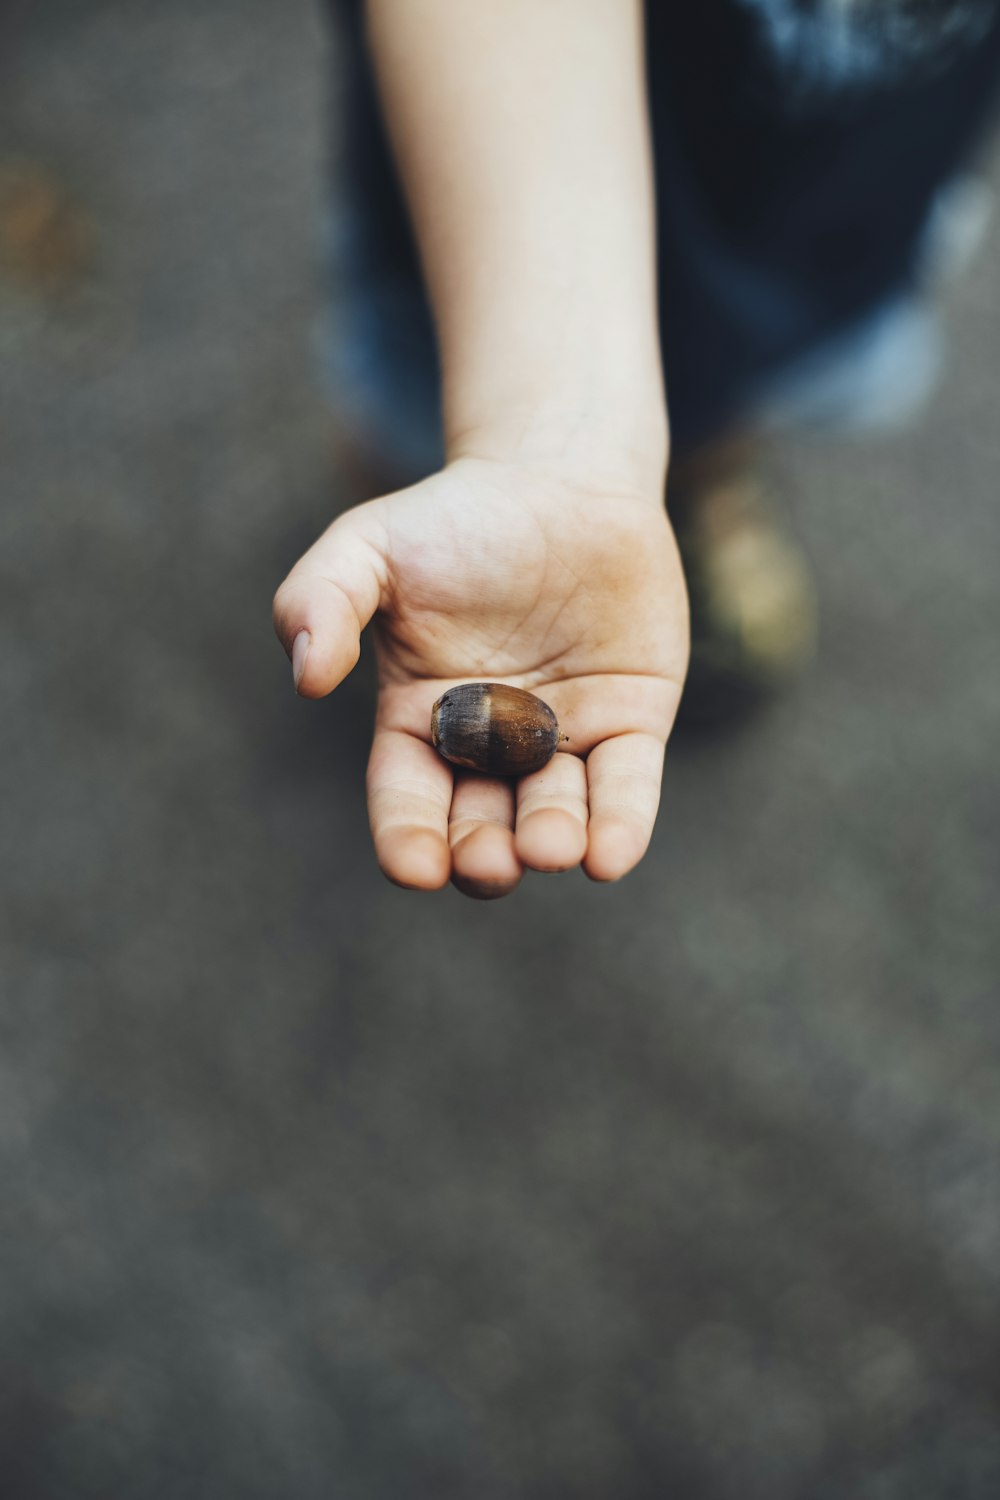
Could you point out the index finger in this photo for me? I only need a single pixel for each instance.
(409, 795)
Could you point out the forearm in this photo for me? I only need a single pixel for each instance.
(521, 135)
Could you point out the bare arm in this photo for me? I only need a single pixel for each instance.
(541, 554)
(521, 134)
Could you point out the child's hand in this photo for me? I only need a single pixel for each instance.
(492, 572)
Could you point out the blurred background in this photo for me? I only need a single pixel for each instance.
(314, 1187)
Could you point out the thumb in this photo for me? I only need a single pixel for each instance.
(327, 600)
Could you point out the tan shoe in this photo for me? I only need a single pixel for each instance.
(753, 601)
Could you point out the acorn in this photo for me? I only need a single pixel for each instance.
(490, 727)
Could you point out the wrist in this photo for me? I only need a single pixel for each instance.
(590, 440)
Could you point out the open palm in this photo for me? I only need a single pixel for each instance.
(490, 572)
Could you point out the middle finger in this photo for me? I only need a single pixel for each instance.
(481, 834)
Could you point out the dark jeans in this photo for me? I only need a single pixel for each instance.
(795, 172)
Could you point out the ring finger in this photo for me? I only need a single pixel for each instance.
(551, 830)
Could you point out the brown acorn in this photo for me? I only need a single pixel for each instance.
(490, 727)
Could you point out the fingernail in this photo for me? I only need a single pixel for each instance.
(300, 650)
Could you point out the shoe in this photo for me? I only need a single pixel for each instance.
(753, 602)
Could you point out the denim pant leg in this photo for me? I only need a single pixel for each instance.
(378, 347)
(790, 220)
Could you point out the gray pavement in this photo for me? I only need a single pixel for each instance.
(310, 1187)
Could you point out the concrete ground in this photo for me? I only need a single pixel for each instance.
(310, 1187)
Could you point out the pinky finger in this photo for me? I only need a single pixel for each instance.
(623, 778)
